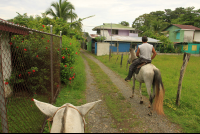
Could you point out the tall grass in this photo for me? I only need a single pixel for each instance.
(73, 93)
(188, 113)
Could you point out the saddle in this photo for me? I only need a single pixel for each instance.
(140, 65)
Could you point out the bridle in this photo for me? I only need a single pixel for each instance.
(51, 118)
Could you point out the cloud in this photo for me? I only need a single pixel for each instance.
(105, 11)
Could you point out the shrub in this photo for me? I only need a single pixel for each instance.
(70, 50)
(31, 62)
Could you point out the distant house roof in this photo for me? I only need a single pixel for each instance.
(113, 26)
(131, 39)
(183, 27)
(94, 35)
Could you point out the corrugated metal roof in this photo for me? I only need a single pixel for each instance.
(183, 27)
(11, 27)
(130, 39)
(114, 26)
(93, 35)
(187, 27)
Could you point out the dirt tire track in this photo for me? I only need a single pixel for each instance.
(99, 119)
(154, 123)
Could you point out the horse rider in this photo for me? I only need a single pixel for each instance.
(143, 53)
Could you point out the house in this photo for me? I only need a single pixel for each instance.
(186, 36)
(120, 37)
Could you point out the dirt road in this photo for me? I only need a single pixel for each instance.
(96, 121)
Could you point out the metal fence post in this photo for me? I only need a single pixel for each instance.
(4, 120)
(51, 58)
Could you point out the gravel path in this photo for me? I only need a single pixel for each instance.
(99, 119)
(98, 124)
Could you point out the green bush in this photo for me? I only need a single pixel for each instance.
(70, 50)
(31, 62)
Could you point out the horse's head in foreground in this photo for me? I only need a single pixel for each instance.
(67, 118)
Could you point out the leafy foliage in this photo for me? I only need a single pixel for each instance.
(100, 38)
(153, 23)
(70, 51)
(124, 23)
(63, 9)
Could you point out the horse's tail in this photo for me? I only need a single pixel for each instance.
(160, 92)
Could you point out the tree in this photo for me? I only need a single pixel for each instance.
(124, 23)
(63, 9)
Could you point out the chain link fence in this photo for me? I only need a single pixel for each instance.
(29, 68)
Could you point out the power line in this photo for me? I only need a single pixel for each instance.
(89, 26)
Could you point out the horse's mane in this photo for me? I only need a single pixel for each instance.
(133, 56)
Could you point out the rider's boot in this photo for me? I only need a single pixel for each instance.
(128, 78)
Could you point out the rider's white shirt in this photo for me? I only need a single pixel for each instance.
(146, 50)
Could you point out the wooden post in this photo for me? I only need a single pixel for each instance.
(186, 58)
(127, 62)
(121, 61)
(109, 54)
(51, 65)
(117, 59)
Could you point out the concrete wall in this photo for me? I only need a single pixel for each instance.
(197, 36)
(102, 48)
(123, 32)
(5, 62)
(120, 32)
(133, 34)
(192, 48)
(188, 35)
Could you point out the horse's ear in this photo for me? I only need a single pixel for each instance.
(84, 109)
(46, 108)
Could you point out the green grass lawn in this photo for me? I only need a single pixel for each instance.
(188, 113)
(23, 116)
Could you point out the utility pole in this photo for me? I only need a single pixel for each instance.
(71, 18)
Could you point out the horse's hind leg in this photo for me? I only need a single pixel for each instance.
(140, 89)
(133, 88)
(148, 84)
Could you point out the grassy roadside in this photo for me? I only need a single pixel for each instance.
(188, 113)
(73, 93)
(120, 109)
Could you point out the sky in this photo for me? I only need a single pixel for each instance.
(105, 11)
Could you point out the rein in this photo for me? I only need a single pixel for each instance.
(51, 118)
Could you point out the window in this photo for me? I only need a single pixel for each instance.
(115, 32)
(98, 31)
(178, 35)
(114, 44)
(132, 31)
(185, 47)
(194, 47)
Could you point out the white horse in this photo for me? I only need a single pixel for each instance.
(67, 118)
(150, 75)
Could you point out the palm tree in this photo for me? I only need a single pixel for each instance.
(63, 9)
(78, 24)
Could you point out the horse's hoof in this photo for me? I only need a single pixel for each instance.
(141, 102)
(150, 114)
(131, 96)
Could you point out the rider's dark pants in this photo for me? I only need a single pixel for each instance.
(137, 62)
